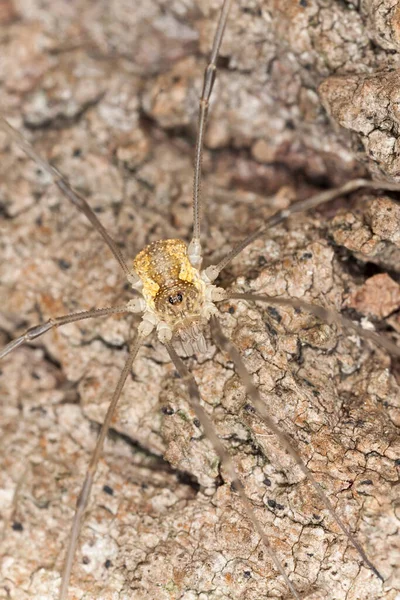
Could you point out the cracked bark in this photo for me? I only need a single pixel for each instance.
(110, 96)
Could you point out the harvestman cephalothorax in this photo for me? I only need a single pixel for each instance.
(177, 300)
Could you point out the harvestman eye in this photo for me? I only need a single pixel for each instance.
(175, 299)
(160, 268)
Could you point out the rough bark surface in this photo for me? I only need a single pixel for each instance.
(108, 91)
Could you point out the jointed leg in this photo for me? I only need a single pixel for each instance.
(226, 461)
(329, 316)
(228, 346)
(34, 332)
(83, 497)
(301, 206)
(195, 253)
(66, 189)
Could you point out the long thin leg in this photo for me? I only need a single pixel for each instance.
(210, 74)
(194, 398)
(229, 347)
(304, 205)
(83, 497)
(63, 185)
(34, 332)
(329, 316)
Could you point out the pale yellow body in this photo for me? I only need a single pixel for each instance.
(162, 267)
(178, 299)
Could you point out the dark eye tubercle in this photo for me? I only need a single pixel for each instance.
(176, 298)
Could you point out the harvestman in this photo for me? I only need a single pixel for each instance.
(176, 299)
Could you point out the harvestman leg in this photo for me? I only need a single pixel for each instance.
(213, 271)
(34, 332)
(82, 501)
(63, 185)
(39, 330)
(210, 73)
(226, 460)
(84, 494)
(229, 347)
(329, 316)
(302, 206)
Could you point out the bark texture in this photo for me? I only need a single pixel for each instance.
(307, 97)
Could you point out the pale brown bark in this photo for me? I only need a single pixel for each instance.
(109, 95)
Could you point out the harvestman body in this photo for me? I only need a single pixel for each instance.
(176, 299)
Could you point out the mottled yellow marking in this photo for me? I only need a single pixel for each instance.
(163, 264)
